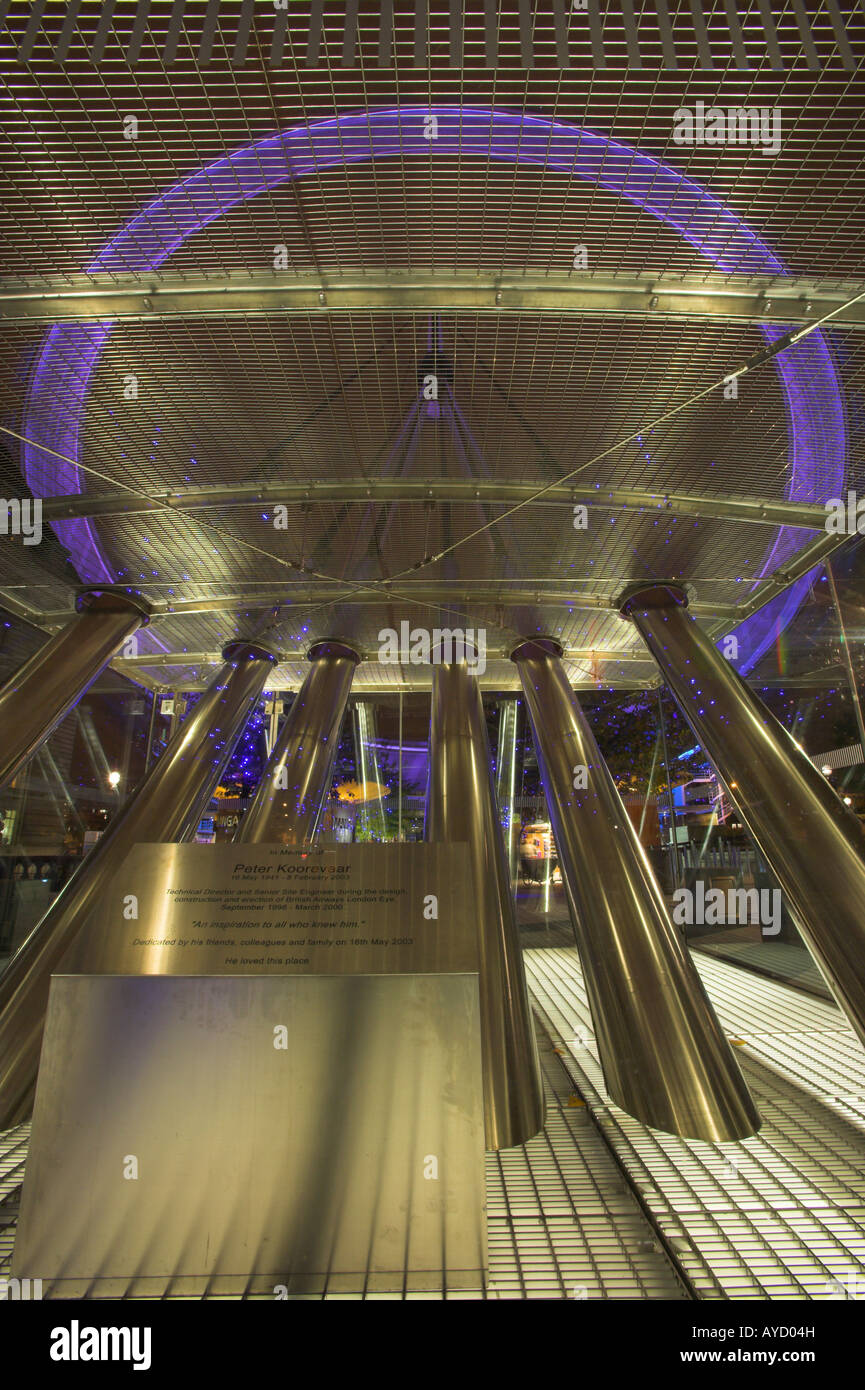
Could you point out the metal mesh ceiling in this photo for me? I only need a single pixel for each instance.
(263, 399)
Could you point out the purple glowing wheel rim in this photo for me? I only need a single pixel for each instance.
(56, 400)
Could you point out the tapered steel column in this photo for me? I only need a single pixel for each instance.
(506, 759)
(812, 842)
(845, 653)
(296, 780)
(168, 802)
(461, 809)
(665, 1058)
(35, 699)
(671, 801)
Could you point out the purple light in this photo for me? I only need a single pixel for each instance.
(56, 398)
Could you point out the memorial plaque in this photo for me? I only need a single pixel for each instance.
(277, 909)
(262, 1073)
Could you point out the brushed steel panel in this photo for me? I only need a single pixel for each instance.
(255, 1163)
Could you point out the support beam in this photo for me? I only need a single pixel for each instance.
(724, 299)
(166, 806)
(817, 552)
(25, 611)
(158, 659)
(458, 596)
(295, 783)
(461, 810)
(485, 683)
(42, 692)
(814, 845)
(761, 511)
(664, 1055)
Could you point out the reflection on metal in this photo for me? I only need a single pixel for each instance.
(150, 728)
(371, 819)
(814, 845)
(36, 697)
(257, 1165)
(671, 805)
(377, 593)
(399, 775)
(295, 783)
(461, 809)
(54, 777)
(845, 653)
(93, 747)
(167, 804)
(178, 708)
(506, 766)
(649, 784)
(665, 1058)
(273, 712)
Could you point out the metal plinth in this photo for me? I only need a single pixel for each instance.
(352, 1155)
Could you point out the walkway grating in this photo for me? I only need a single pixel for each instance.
(562, 1220)
(781, 1215)
(596, 1205)
(792, 965)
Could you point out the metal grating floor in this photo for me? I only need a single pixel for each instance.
(791, 965)
(781, 1215)
(591, 1207)
(13, 1151)
(562, 1220)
